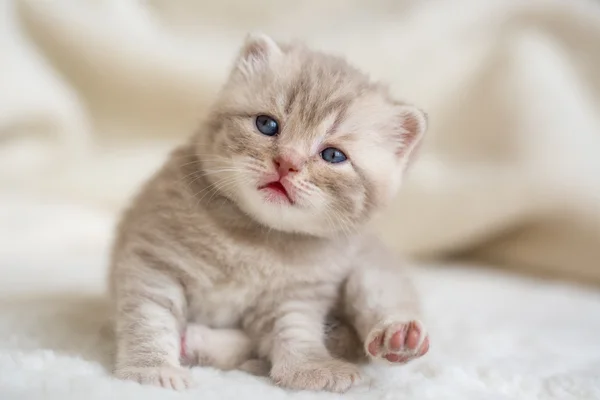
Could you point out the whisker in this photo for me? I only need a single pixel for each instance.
(220, 185)
(223, 186)
(198, 176)
(327, 217)
(342, 222)
(346, 224)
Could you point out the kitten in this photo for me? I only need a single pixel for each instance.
(250, 236)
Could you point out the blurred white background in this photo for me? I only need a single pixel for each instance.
(94, 93)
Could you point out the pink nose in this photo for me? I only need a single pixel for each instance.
(286, 165)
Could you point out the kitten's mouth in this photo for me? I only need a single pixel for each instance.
(277, 192)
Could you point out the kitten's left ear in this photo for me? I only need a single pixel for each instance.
(413, 125)
(257, 53)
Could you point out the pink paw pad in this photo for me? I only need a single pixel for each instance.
(399, 342)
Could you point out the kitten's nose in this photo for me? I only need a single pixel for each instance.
(286, 165)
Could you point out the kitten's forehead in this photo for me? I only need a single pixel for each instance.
(320, 92)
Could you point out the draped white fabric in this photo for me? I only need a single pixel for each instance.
(93, 93)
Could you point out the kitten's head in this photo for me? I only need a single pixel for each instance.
(303, 142)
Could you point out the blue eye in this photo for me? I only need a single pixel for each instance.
(267, 125)
(333, 155)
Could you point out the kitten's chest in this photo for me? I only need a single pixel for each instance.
(237, 280)
(221, 304)
(228, 285)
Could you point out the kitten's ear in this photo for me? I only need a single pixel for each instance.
(257, 53)
(413, 125)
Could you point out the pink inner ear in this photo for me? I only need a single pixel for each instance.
(412, 130)
(411, 124)
(255, 50)
(258, 49)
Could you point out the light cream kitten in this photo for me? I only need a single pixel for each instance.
(248, 242)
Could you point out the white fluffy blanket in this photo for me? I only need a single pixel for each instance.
(94, 92)
(493, 337)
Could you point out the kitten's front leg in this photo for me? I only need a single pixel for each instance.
(148, 323)
(296, 349)
(382, 304)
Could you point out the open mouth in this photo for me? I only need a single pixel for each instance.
(277, 189)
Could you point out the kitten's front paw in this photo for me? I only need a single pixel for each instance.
(398, 342)
(330, 374)
(168, 377)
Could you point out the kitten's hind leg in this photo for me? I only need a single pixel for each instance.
(257, 367)
(290, 335)
(342, 341)
(382, 304)
(224, 349)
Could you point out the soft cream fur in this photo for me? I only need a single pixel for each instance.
(202, 244)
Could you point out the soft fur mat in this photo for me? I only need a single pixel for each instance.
(493, 336)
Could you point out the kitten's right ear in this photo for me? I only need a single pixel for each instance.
(257, 53)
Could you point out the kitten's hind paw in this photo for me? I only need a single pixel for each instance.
(398, 342)
(168, 377)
